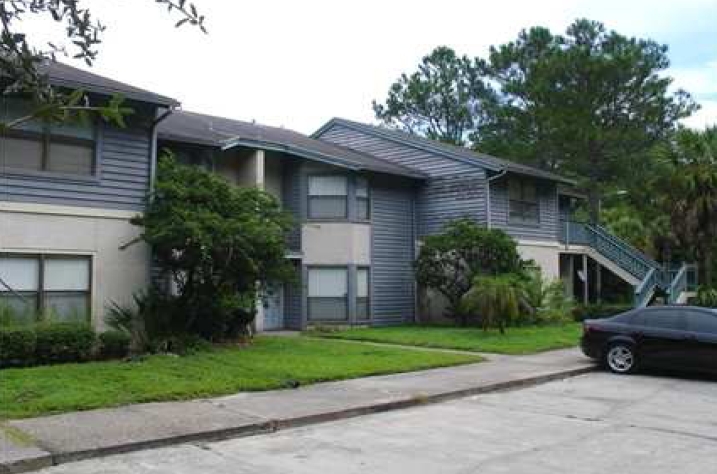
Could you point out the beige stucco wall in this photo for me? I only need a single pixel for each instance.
(116, 273)
(545, 254)
(334, 243)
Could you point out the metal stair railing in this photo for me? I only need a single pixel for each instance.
(646, 288)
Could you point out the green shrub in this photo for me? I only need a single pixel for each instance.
(707, 297)
(599, 311)
(496, 301)
(17, 346)
(113, 344)
(64, 342)
(549, 302)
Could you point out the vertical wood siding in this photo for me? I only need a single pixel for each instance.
(292, 201)
(123, 160)
(392, 249)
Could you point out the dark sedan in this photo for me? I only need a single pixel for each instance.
(673, 337)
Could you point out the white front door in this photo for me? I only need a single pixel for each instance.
(274, 309)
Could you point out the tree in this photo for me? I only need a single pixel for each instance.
(443, 100)
(449, 262)
(222, 245)
(498, 300)
(22, 63)
(690, 196)
(582, 104)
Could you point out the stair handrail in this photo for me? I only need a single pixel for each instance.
(645, 288)
(626, 245)
(678, 284)
(633, 260)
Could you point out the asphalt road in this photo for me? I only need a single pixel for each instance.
(596, 423)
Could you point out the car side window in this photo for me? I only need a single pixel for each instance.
(661, 319)
(701, 322)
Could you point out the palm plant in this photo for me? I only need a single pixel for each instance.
(497, 300)
(692, 198)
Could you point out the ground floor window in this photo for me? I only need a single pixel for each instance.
(50, 287)
(362, 294)
(328, 294)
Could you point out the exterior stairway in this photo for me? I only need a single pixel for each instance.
(646, 275)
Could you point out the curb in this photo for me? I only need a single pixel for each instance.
(271, 426)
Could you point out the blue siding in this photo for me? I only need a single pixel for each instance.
(398, 153)
(456, 189)
(392, 279)
(547, 229)
(293, 297)
(123, 159)
(441, 200)
(292, 201)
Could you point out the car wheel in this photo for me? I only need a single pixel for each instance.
(620, 358)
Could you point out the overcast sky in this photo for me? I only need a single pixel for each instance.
(298, 63)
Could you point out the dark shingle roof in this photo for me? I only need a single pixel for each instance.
(444, 149)
(71, 77)
(191, 127)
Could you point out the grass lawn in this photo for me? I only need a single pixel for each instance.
(520, 340)
(270, 363)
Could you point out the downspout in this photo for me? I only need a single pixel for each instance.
(487, 205)
(153, 147)
(153, 167)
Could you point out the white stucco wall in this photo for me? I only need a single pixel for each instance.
(545, 254)
(334, 243)
(116, 273)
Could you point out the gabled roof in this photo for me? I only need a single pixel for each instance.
(443, 149)
(224, 133)
(62, 75)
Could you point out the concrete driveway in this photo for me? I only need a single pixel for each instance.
(594, 423)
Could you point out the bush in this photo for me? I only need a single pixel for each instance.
(599, 311)
(17, 346)
(64, 342)
(706, 297)
(114, 344)
(496, 300)
(450, 261)
(548, 300)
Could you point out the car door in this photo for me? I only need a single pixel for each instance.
(702, 324)
(662, 336)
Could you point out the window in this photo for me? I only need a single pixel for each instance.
(523, 202)
(36, 146)
(328, 294)
(362, 294)
(702, 322)
(57, 287)
(328, 197)
(660, 319)
(363, 207)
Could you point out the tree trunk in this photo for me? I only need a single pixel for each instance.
(594, 205)
(707, 267)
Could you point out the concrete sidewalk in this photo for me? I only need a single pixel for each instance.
(33, 443)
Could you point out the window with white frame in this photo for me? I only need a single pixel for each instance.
(328, 197)
(523, 205)
(363, 207)
(53, 287)
(67, 148)
(362, 294)
(328, 294)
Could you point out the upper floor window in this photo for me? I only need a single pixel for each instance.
(363, 208)
(523, 202)
(328, 197)
(38, 146)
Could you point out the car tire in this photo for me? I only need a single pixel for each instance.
(621, 358)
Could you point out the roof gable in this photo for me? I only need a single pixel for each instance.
(62, 75)
(444, 150)
(224, 133)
